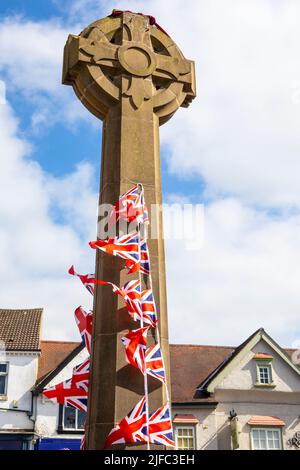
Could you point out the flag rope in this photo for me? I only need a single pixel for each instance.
(157, 333)
(145, 365)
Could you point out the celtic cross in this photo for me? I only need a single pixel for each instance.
(131, 75)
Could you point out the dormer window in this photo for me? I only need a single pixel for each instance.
(264, 376)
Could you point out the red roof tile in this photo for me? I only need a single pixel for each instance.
(187, 418)
(20, 329)
(266, 421)
(260, 355)
(52, 354)
(190, 365)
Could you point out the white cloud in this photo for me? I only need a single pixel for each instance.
(241, 133)
(36, 251)
(245, 276)
(31, 58)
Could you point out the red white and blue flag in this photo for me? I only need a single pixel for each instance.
(130, 207)
(84, 321)
(67, 395)
(126, 247)
(81, 375)
(160, 427)
(149, 308)
(129, 430)
(132, 297)
(138, 304)
(155, 364)
(142, 264)
(86, 279)
(135, 342)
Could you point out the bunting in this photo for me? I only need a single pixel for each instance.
(135, 342)
(131, 207)
(130, 429)
(139, 426)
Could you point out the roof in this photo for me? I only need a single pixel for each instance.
(52, 354)
(262, 356)
(221, 366)
(20, 329)
(265, 421)
(55, 355)
(185, 418)
(207, 386)
(190, 365)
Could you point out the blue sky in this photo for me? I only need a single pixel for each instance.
(236, 149)
(59, 148)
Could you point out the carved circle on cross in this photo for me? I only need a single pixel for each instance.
(114, 48)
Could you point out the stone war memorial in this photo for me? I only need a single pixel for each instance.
(128, 72)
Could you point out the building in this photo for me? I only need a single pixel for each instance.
(19, 359)
(223, 397)
(236, 398)
(27, 420)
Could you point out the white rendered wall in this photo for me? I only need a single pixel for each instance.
(22, 374)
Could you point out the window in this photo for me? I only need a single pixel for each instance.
(266, 439)
(264, 374)
(73, 419)
(3, 377)
(185, 437)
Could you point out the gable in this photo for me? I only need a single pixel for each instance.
(241, 372)
(65, 372)
(64, 367)
(244, 375)
(53, 353)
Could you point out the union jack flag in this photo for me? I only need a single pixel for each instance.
(86, 279)
(131, 207)
(126, 247)
(138, 304)
(130, 428)
(135, 342)
(155, 364)
(81, 374)
(84, 321)
(143, 264)
(65, 394)
(149, 308)
(132, 298)
(160, 427)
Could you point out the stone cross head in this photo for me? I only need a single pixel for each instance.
(125, 56)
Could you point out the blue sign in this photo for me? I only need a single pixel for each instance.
(58, 444)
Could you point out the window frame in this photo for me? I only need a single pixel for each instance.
(5, 374)
(61, 429)
(266, 429)
(186, 426)
(267, 365)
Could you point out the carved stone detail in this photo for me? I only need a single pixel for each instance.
(114, 47)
